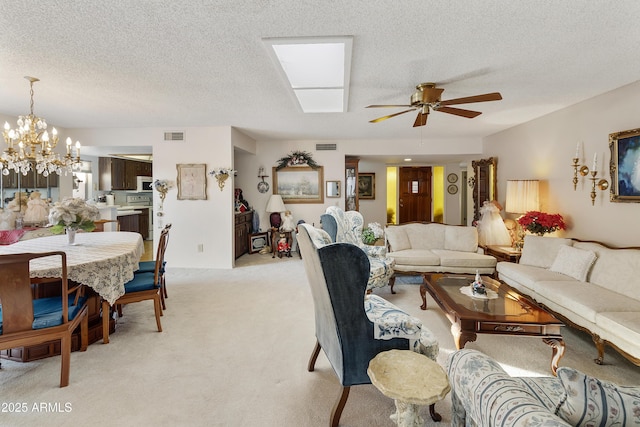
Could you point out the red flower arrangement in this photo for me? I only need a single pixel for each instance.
(541, 223)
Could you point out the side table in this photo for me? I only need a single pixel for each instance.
(411, 379)
(503, 253)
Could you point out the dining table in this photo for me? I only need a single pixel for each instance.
(102, 261)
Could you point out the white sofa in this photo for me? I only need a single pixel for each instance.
(419, 247)
(589, 285)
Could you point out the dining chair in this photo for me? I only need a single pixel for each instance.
(143, 287)
(25, 321)
(149, 267)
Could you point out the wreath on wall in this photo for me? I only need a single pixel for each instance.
(297, 158)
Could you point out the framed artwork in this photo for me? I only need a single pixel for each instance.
(299, 184)
(333, 189)
(192, 181)
(367, 186)
(257, 241)
(625, 166)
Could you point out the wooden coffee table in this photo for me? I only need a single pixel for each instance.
(509, 314)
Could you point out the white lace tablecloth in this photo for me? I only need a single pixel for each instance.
(102, 261)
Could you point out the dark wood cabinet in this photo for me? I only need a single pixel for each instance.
(31, 180)
(129, 223)
(243, 225)
(121, 174)
(143, 222)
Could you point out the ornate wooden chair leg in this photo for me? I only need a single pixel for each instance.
(336, 412)
(392, 282)
(314, 357)
(106, 314)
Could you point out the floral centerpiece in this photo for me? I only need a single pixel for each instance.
(74, 214)
(541, 223)
(372, 232)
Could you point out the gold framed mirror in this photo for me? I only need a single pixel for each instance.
(485, 185)
(333, 189)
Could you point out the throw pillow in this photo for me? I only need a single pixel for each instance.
(539, 251)
(573, 262)
(588, 401)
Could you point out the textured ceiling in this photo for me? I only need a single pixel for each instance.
(173, 64)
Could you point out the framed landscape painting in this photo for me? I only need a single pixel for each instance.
(299, 184)
(625, 166)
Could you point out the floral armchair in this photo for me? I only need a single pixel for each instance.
(346, 227)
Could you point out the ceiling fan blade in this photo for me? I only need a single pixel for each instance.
(495, 96)
(421, 120)
(386, 106)
(379, 119)
(459, 112)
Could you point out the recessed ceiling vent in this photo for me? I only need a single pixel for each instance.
(174, 136)
(326, 147)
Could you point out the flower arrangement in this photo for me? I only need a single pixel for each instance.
(73, 213)
(541, 223)
(297, 158)
(372, 232)
(162, 186)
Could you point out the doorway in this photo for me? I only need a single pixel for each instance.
(415, 199)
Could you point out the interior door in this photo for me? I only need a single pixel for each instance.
(415, 194)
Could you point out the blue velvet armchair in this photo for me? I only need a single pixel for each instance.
(338, 274)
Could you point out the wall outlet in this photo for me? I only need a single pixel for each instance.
(200, 247)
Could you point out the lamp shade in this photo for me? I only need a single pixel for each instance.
(275, 205)
(522, 196)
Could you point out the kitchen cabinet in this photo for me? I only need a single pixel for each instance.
(31, 180)
(129, 223)
(243, 224)
(121, 174)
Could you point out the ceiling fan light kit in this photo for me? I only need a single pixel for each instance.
(427, 98)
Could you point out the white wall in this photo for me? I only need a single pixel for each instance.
(194, 222)
(543, 148)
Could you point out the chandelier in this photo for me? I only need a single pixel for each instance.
(30, 146)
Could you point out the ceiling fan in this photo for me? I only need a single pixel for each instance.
(427, 98)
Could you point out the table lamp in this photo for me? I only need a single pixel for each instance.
(522, 197)
(275, 205)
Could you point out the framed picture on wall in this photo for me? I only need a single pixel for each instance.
(192, 181)
(624, 166)
(366, 186)
(299, 184)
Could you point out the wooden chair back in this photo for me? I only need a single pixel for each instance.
(17, 302)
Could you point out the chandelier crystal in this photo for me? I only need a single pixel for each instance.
(30, 146)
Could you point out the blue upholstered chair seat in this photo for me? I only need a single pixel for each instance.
(47, 312)
(141, 282)
(149, 267)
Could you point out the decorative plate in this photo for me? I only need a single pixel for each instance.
(263, 187)
(452, 189)
(452, 177)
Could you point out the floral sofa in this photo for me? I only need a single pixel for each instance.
(483, 394)
(420, 247)
(589, 285)
(346, 227)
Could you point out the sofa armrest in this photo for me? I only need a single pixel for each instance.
(482, 393)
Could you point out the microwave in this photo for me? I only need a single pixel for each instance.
(144, 184)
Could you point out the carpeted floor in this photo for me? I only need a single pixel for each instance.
(234, 352)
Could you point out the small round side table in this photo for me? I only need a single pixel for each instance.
(412, 380)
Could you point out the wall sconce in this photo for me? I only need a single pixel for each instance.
(162, 186)
(263, 186)
(221, 175)
(583, 170)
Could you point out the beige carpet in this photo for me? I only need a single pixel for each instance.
(234, 352)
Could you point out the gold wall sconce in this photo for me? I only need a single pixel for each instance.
(221, 175)
(602, 184)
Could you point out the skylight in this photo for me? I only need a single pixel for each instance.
(317, 70)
